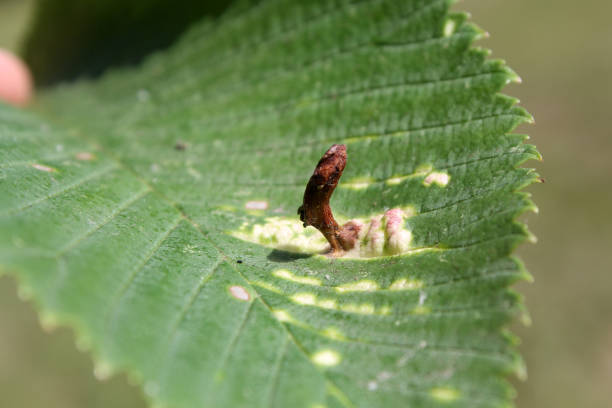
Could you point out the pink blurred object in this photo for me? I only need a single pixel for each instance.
(15, 80)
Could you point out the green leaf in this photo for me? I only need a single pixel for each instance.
(153, 210)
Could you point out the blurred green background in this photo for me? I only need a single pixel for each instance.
(563, 51)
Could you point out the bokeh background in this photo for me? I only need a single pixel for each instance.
(562, 49)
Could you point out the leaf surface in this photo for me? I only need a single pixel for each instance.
(152, 211)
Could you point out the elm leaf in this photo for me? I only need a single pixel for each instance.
(154, 211)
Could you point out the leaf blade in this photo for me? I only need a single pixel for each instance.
(165, 244)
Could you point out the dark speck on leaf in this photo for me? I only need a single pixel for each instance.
(180, 146)
(239, 261)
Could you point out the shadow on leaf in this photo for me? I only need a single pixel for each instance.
(278, 255)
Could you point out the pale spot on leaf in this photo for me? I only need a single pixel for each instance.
(393, 181)
(103, 371)
(359, 183)
(256, 205)
(364, 308)
(406, 284)
(333, 333)
(360, 286)
(42, 167)
(267, 285)
(48, 321)
(282, 315)
(328, 304)
(85, 156)
(287, 275)
(445, 394)
(326, 358)
(239, 293)
(304, 298)
(438, 178)
(449, 28)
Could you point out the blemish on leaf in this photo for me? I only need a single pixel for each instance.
(85, 156)
(406, 284)
(374, 241)
(359, 286)
(267, 285)
(449, 28)
(393, 181)
(239, 293)
(422, 298)
(359, 183)
(364, 308)
(48, 321)
(381, 235)
(328, 304)
(256, 205)
(283, 315)
(190, 249)
(444, 394)
(398, 238)
(326, 358)
(333, 333)
(103, 371)
(304, 298)
(42, 167)
(418, 172)
(438, 178)
(283, 234)
(287, 275)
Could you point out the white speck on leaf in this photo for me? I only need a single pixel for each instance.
(422, 298)
(42, 167)
(239, 293)
(445, 394)
(449, 28)
(360, 286)
(438, 178)
(256, 205)
(327, 358)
